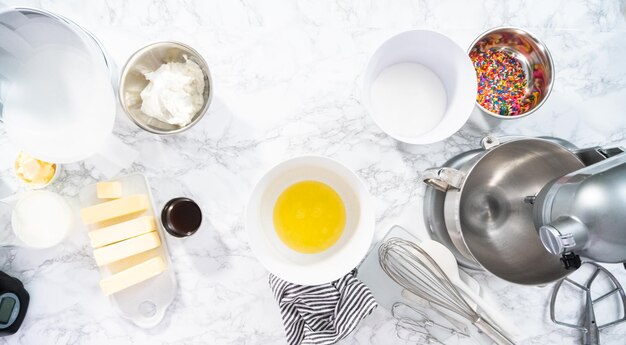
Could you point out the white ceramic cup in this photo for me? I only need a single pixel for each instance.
(447, 60)
(331, 264)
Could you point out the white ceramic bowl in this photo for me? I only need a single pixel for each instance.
(447, 60)
(331, 264)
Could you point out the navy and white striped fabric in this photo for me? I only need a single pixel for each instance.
(322, 314)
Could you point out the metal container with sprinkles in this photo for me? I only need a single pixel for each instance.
(514, 70)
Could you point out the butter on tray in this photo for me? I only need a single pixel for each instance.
(132, 276)
(114, 208)
(121, 231)
(121, 250)
(128, 249)
(109, 190)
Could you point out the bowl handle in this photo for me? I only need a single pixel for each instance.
(490, 141)
(443, 179)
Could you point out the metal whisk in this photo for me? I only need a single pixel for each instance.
(411, 267)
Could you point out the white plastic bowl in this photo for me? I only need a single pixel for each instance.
(447, 60)
(331, 264)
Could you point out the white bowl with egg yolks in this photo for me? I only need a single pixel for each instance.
(332, 263)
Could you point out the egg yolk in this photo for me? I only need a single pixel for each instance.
(309, 217)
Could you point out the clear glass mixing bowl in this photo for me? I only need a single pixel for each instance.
(57, 97)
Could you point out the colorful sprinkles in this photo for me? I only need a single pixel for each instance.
(502, 83)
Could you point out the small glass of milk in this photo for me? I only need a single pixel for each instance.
(39, 219)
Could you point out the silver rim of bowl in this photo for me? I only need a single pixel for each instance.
(201, 113)
(550, 85)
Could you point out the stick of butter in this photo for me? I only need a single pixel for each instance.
(131, 276)
(120, 250)
(109, 190)
(121, 231)
(114, 208)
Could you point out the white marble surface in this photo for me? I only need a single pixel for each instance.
(287, 80)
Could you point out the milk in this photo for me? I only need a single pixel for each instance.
(42, 219)
(408, 98)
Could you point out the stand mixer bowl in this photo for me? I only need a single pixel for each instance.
(485, 211)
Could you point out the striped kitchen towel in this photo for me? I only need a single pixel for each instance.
(322, 314)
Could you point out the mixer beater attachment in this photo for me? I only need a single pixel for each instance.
(588, 324)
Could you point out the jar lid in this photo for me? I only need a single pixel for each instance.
(181, 217)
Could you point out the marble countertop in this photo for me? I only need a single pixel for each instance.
(287, 80)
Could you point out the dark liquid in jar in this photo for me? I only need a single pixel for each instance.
(181, 217)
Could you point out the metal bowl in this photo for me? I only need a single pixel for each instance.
(495, 223)
(132, 82)
(484, 210)
(530, 52)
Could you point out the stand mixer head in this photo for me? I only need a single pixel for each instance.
(582, 213)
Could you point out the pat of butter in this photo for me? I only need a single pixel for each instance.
(33, 171)
(109, 190)
(114, 208)
(132, 276)
(120, 250)
(121, 231)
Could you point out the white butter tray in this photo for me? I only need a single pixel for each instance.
(145, 303)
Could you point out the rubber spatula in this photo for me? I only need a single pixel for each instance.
(446, 261)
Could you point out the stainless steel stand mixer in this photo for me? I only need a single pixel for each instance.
(582, 213)
(526, 208)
